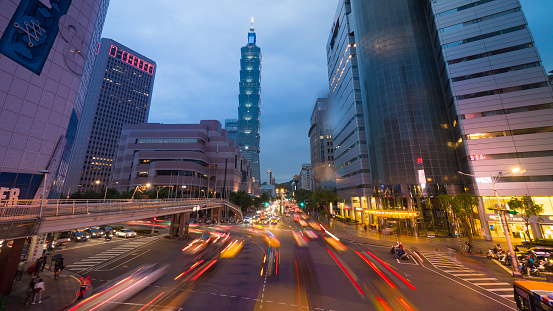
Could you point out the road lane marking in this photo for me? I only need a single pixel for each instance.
(466, 274)
(479, 279)
(500, 289)
(472, 289)
(486, 284)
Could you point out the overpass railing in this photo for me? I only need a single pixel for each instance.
(28, 209)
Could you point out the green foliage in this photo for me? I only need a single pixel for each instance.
(526, 208)
(265, 197)
(302, 194)
(462, 207)
(324, 196)
(241, 199)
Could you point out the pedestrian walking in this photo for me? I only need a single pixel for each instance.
(38, 289)
(82, 288)
(38, 264)
(20, 270)
(43, 263)
(32, 270)
(30, 291)
(59, 268)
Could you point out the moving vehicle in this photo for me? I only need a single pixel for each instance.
(247, 220)
(274, 221)
(533, 295)
(93, 232)
(126, 233)
(79, 236)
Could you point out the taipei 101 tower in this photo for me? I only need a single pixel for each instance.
(248, 103)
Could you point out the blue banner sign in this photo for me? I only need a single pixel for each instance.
(29, 36)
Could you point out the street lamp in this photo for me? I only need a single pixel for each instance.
(69, 191)
(106, 192)
(45, 172)
(136, 188)
(157, 190)
(502, 211)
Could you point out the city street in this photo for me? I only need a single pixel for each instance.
(317, 277)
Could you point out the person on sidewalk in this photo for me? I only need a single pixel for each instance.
(20, 270)
(30, 291)
(43, 263)
(38, 265)
(32, 270)
(39, 288)
(59, 268)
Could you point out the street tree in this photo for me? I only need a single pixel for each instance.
(301, 195)
(462, 207)
(527, 208)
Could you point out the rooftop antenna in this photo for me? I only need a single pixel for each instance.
(251, 29)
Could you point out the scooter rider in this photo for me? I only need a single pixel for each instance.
(107, 236)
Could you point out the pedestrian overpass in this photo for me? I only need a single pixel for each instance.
(23, 218)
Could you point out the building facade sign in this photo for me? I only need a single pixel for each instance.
(31, 32)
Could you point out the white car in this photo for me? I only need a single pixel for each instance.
(126, 233)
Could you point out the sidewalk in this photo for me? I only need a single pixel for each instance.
(57, 293)
(357, 234)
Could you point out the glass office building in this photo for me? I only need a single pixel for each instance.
(248, 103)
(231, 125)
(321, 147)
(411, 149)
(119, 93)
(44, 73)
(347, 120)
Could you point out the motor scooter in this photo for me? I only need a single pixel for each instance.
(108, 236)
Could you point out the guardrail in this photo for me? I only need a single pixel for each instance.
(28, 209)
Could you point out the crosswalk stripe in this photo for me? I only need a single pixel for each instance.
(489, 284)
(466, 274)
(499, 289)
(480, 279)
(507, 296)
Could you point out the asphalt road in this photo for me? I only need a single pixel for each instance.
(317, 277)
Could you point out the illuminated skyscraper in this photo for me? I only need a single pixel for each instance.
(248, 103)
(119, 93)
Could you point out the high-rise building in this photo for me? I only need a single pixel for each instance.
(321, 146)
(306, 177)
(119, 93)
(411, 150)
(500, 103)
(345, 109)
(447, 87)
(269, 177)
(248, 103)
(231, 125)
(192, 160)
(44, 70)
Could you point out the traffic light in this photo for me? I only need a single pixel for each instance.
(301, 204)
(512, 212)
(266, 203)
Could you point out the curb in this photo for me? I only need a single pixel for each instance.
(87, 294)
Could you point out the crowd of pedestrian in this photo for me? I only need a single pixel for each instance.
(36, 284)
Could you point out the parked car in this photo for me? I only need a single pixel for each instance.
(126, 233)
(79, 236)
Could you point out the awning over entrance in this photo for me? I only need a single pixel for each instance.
(393, 214)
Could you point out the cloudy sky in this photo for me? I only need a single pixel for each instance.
(196, 45)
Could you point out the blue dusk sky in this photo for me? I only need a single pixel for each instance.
(196, 45)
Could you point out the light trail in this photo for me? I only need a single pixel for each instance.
(347, 273)
(392, 270)
(382, 275)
